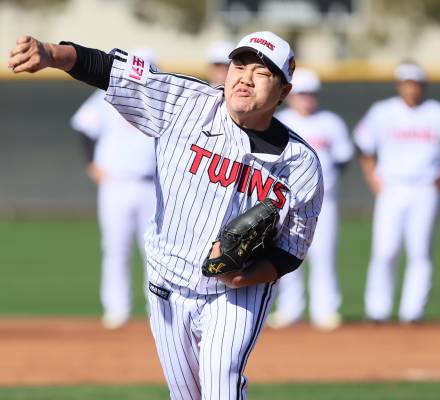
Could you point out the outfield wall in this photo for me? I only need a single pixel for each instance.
(41, 164)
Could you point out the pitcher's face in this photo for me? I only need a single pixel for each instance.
(251, 87)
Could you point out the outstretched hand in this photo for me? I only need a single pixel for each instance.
(31, 55)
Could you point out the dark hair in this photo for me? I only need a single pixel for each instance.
(273, 68)
(267, 62)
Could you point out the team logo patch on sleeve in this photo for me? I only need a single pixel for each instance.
(136, 69)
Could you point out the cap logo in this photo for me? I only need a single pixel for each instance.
(263, 42)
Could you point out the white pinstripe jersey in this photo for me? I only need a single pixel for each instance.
(206, 173)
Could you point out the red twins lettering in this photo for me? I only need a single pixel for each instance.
(263, 42)
(137, 67)
(256, 181)
(239, 174)
(200, 153)
(221, 177)
(244, 177)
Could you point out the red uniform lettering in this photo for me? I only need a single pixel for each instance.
(244, 176)
(221, 176)
(256, 181)
(279, 189)
(200, 153)
(219, 171)
(138, 68)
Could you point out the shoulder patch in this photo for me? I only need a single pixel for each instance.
(136, 69)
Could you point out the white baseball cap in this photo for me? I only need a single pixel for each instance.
(269, 47)
(305, 81)
(218, 52)
(409, 72)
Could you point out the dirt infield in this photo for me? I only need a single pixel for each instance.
(71, 351)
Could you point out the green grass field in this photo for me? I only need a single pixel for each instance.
(52, 268)
(315, 391)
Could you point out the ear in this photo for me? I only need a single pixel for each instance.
(285, 90)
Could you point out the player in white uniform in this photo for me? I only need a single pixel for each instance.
(218, 153)
(327, 133)
(122, 164)
(400, 143)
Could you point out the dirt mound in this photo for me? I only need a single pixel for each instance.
(60, 351)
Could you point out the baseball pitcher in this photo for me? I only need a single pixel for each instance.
(238, 197)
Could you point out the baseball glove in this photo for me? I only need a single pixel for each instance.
(242, 237)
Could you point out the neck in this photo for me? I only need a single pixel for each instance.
(412, 102)
(256, 120)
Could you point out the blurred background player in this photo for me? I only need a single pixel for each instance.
(218, 62)
(327, 133)
(122, 163)
(399, 140)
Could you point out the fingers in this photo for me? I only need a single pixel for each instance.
(21, 53)
(20, 48)
(18, 58)
(24, 39)
(26, 56)
(28, 66)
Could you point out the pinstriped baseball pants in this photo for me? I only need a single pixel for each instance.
(204, 341)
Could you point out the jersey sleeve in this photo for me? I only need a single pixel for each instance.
(342, 148)
(365, 133)
(88, 119)
(146, 98)
(306, 200)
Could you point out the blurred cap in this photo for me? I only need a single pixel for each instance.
(218, 52)
(305, 81)
(271, 49)
(409, 72)
(147, 54)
